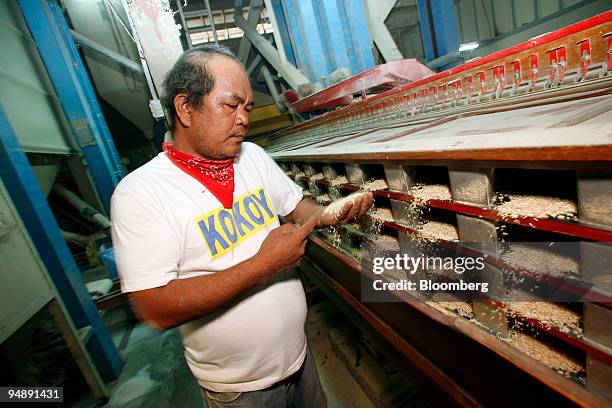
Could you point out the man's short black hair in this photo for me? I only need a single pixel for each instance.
(190, 75)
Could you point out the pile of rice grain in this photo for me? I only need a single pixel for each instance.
(373, 185)
(540, 261)
(335, 208)
(431, 192)
(536, 206)
(435, 230)
(383, 214)
(551, 314)
(545, 354)
(318, 176)
(453, 308)
(323, 199)
(338, 181)
(463, 309)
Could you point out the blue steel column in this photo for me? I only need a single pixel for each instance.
(281, 22)
(427, 33)
(337, 37)
(445, 26)
(295, 36)
(317, 56)
(75, 91)
(356, 23)
(327, 35)
(25, 192)
(438, 22)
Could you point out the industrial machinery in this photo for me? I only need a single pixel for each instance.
(512, 147)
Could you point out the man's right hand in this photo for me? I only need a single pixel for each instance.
(200, 295)
(284, 247)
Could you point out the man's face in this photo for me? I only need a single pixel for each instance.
(220, 125)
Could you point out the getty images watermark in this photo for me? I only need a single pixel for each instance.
(503, 272)
(410, 265)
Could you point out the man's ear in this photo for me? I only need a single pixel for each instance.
(183, 109)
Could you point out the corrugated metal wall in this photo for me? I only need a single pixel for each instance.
(486, 19)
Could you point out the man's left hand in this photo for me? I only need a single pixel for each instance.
(351, 211)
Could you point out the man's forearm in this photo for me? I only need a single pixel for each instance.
(303, 211)
(183, 300)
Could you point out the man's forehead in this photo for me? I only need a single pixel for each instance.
(233, 94)
(231, 80)
(235, 97)
(224, 66)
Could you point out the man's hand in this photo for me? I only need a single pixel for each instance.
(351, 210)
(284, 247)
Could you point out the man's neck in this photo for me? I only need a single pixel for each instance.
(184, 147)
(181, 143)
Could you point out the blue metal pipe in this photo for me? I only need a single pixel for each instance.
(295, 36)
(438, 22)
(311, 39)
(445, 26)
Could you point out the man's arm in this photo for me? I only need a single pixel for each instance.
(351, 211)
(183, 300)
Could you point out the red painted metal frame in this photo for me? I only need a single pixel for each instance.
(577, 289)
(535, 42)
(443, 319)
(441, 379)
(592, 295)
(550, 225)
(393, 72)
(569, 338)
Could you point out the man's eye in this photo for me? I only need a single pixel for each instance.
(231, 106)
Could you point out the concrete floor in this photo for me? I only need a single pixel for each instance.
(156, 374)
(338, 383)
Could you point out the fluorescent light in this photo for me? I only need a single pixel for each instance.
(468, 46)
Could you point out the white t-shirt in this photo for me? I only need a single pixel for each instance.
(167, 225)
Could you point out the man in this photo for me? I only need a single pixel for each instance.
(198, 243)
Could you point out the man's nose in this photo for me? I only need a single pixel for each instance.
(242, 117)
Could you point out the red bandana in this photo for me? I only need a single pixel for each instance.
(216, 175)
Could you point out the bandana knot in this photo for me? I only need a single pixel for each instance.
(216, 175)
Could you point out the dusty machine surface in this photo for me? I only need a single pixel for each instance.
(515, 147)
